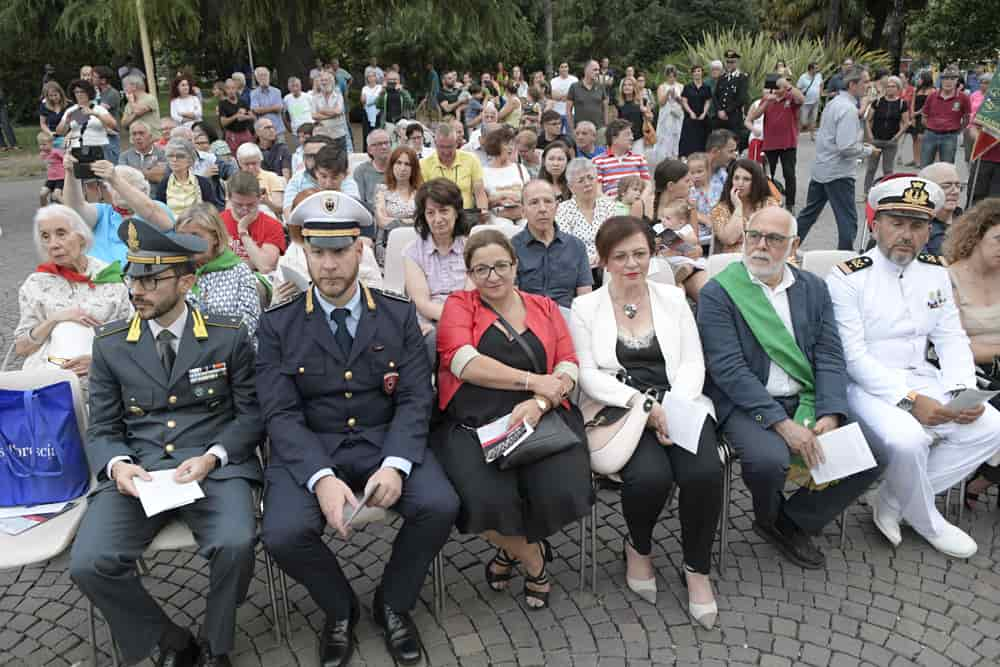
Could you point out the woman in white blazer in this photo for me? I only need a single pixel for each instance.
(633, 335)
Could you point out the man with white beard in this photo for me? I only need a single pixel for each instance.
(777, 377)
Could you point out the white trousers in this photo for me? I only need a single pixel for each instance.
(924, 461)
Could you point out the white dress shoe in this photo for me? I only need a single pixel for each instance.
(884, 521)
(953, 541)
(644, 588)
(704, 614)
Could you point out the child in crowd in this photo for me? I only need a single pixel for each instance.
(698, 166)
(304, 132)
(630, 190)
(474, 110)
(51, 192)
(755, 149)
(677, 243)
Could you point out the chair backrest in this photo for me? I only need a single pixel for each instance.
(717, 263)
(43, 377)
(8, 356)
(821, 262)
(399, 239)
(504, 226)
(665, 277)
(355, 159)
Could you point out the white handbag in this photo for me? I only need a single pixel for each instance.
(612, 432)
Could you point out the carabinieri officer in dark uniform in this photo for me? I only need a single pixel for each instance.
(169, 389)
(731, 99)
(345, 389)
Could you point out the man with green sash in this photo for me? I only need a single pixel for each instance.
(777, 377)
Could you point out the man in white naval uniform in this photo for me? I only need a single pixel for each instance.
(890, 303)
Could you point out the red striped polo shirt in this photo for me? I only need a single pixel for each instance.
(611, 169)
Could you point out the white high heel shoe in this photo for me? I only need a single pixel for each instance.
(644, 588)
(704, 614)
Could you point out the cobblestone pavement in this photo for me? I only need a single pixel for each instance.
(872, 605)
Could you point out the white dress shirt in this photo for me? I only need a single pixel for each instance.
(780, 383)
(177, 329)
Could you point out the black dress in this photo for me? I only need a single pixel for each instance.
(534, 500)
(695, 132)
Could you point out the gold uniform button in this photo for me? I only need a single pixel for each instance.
(348, 375)
(171, 423)
(169, 448)
(211, 391)
(172, 400)
(352, 422)
(301, 370)
(348, 394)
(392, 364)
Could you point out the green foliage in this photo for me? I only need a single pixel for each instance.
(952, 30)
(759, 53)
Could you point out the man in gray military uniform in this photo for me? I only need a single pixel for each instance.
(170, 389)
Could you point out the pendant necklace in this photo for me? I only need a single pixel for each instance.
(631, 310)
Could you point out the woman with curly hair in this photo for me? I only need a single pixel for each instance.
(185, 105)
(973, 252)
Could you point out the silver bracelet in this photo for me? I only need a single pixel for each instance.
(32, 338)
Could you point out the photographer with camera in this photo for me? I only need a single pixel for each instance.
(87, 124)
(129, 192)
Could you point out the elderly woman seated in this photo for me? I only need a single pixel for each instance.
(485, 376)
(68, 291)
(225, 284)
(182, 188)
(433, 263)
(272, 186)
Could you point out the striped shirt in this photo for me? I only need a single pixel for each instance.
(611, 169)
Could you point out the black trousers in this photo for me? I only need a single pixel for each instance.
(765, 459)
(788, 157)
(294, 524)
(647, 480)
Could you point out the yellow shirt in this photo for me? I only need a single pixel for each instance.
(465, 171)
(270, 182)
(182, 195)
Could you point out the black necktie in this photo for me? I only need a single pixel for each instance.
(167, 354)
(343, 337)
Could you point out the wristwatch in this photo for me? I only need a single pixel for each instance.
(908, 401)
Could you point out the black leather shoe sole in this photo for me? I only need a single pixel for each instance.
(786, 547)
(333, 661)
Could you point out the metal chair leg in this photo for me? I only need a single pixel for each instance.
(583, 553)
(437, 584)
(961, 500)
(593, 547)
(947, 502)
(275, 613)
(283, 585)
(843, 528)
(93, 634)
(727, 482)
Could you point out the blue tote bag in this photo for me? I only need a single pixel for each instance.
(41, 451)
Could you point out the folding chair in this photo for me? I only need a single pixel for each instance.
(821, 262)
(717, 263)
(399, 239)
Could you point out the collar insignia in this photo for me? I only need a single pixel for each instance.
(133, 237)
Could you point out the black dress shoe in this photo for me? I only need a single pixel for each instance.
(795, 545)
(336, 642)
(209, 660)
(184, 657)
(401, 636)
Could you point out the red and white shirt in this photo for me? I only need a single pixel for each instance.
(612, 168)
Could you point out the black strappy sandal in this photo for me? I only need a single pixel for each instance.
(498, 580)
(541, 579)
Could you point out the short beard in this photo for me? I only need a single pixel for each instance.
(773, 270)
(350, 280)
(162, 309)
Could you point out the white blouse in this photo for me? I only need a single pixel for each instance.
(189, 104)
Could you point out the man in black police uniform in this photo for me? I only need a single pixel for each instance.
(731, 98)
(170, 388)
(346, 395)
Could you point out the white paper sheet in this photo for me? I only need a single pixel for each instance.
(163, 493)
(27, 510)
(970, 398)
(846, 452)
(685, 421)
(293, 276)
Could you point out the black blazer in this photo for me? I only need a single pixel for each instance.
(209, 193)
(738, 373)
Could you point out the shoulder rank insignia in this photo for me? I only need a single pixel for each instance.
(392, 295)
(111, 327)
(287, 302)
(927, 258)
(230, 322)
(856, 264)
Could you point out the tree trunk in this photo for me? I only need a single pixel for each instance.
(879, 11)
(897, 33)
(833, 19)
(547, 9)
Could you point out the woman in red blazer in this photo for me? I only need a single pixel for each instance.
(485, 375)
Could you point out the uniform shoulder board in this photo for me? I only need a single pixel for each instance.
(112, 327)
(392, 295)
(937, 260)
(283, 304)
(214, 320)
(856, 264)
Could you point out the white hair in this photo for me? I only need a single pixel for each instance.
(793, 224)
(579, 166)
(133, 176)
(139, 124)
(293, 78)
(932, 172)
(239, 77)
(68, 215)
(261, 70)
(248, 151)
(136, 80)
(896, 81)
(587, 123)
(715, 64)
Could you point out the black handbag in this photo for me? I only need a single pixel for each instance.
(551, 435)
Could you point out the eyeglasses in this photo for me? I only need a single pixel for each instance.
(951, 185)
(373, 144)
(147, 283)
(586, 178)
(483, 271)
(772, 240)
